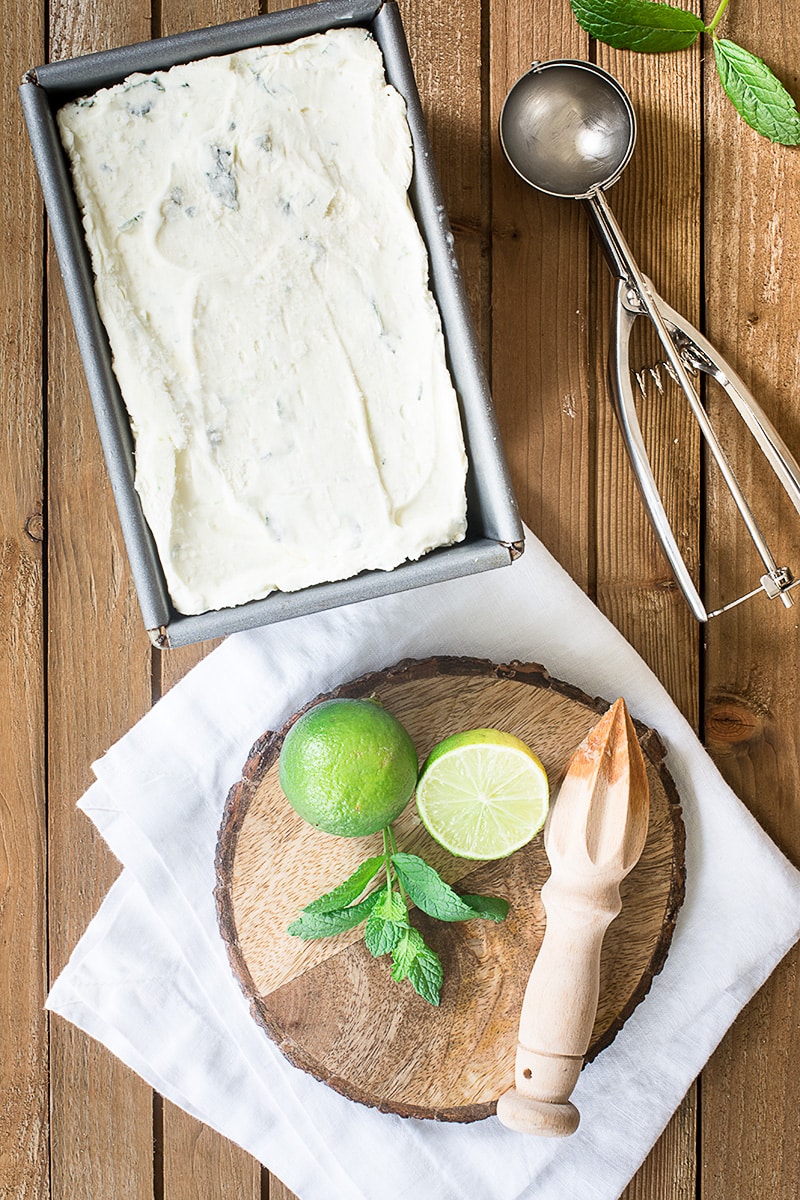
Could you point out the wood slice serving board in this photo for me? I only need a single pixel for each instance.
(330, 1006)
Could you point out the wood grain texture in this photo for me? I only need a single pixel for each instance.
(657, 202)
(751, 1090)
(595, 835)
(576, 489)
(670, 1168)
(197, 1162)
(176, 16)
(445, 45)
(320, 999)
(24, 1115)
(541, 322)
(200, 1164)
(540, 296)
(278, 1190)
(101, 1112)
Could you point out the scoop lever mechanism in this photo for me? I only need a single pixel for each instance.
(594, 836)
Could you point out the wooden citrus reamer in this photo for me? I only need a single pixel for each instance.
(594, 836)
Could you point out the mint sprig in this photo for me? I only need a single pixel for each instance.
(385, 910)
(645, 26)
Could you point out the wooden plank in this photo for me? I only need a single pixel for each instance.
(451, 78)
(750, 1142)
(669, 1172)
(102, 1134)
(545, 370)
(24, 1107)
(99, 684)
(273, 1188)
(101, 1114)
(539, 306)
(620, 546)
(445, 43)
(657, 202)
(278, 1190)
(447, 68)
(750, 1138)
(198, 1163)
(176, 16)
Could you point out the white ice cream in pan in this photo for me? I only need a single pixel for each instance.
(264, 286)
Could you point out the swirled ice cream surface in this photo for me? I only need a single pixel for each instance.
(264, 286)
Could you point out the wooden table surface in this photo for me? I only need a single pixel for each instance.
(713, 213)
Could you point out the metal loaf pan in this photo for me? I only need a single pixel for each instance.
(494, 533)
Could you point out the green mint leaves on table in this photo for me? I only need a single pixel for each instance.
(757, 95)
(388, 930)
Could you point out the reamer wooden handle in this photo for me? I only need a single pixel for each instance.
(558, 1013)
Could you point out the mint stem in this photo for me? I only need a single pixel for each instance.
(390, 848)
(387, 858)
(718, 15)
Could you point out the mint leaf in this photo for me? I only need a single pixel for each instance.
(381, 936)
(326, 924)
(425, 975)
(489, 908)
(428, 890)
(638, 24)
(345, 893)
(757, 95)
(390, 907)
(415, 961)
(405, 952)
(386, 924)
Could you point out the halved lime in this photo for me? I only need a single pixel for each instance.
(482, 794)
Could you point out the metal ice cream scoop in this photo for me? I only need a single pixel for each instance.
(568, 129)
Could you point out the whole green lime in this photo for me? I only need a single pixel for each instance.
(348, 767)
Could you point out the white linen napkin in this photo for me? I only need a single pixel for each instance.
(151, 980)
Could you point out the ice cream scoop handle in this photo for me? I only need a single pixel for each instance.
(558, 1013)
